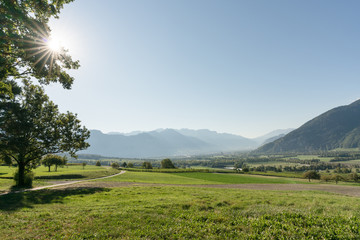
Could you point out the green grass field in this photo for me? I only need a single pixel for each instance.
(43, 176)
(88, 172)
(178, 213)
(198, 178)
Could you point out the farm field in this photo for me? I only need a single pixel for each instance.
(198, 178)
(166, 212)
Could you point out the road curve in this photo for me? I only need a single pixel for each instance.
(61, 184)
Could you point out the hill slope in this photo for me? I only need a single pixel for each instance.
(336, 128)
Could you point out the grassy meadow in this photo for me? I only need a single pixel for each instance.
(178, 213)
(172, 210)
(44, 177)
(198, 178)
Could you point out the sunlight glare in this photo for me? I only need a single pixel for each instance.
(54, 45)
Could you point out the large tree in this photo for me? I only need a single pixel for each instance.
(32, 126)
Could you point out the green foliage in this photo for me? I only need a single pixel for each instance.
(326, 177)
(337, 178)
(32, 126)
(130, 165)
(24, 52)
(98, 163)
(147, 165)
(167, 163)
(115, 165)
(28, 179)
(51, 159)
(354, 177)
(311, 175)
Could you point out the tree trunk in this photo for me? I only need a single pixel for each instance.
(55, 168)
(21, 180)
(49, 167)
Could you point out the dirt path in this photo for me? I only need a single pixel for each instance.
(338, 189)
(62, 184)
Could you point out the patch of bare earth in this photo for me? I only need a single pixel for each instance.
(339, 189)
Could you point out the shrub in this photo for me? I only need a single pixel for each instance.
(147, 165)
(115, 165)
(167, 163)
(98, 163)
(28, 178)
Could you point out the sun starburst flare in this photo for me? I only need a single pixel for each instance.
(43, 48)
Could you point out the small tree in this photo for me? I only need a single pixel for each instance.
(311, 175)
(167, 163)
(115, 165)
(130, 165)
(124, 164)
(338, 178)
(98, 163)
(83, 165)
(52, 159)
(147, 165)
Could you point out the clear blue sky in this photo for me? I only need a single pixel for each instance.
(243, 67)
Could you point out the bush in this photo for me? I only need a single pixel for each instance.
(167, 163)
(28, 178)
(115, 165)
(98, 164)
(147, 165)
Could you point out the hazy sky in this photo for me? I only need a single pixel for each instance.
(243, 67)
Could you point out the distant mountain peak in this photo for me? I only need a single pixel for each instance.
(165, 142)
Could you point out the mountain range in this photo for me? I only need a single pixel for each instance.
(170, 142)
(336, 128)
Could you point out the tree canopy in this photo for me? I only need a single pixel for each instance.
(51, 159)
(167, 163)
(24, 49)
(311, 175)
(147, 165)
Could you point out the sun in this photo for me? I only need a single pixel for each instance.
(54, 45)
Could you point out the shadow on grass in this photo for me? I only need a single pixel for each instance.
(64, 176)
(15, 201)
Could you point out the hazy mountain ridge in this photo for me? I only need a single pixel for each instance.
(272, 136)
(166, 142)
(336, 128)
